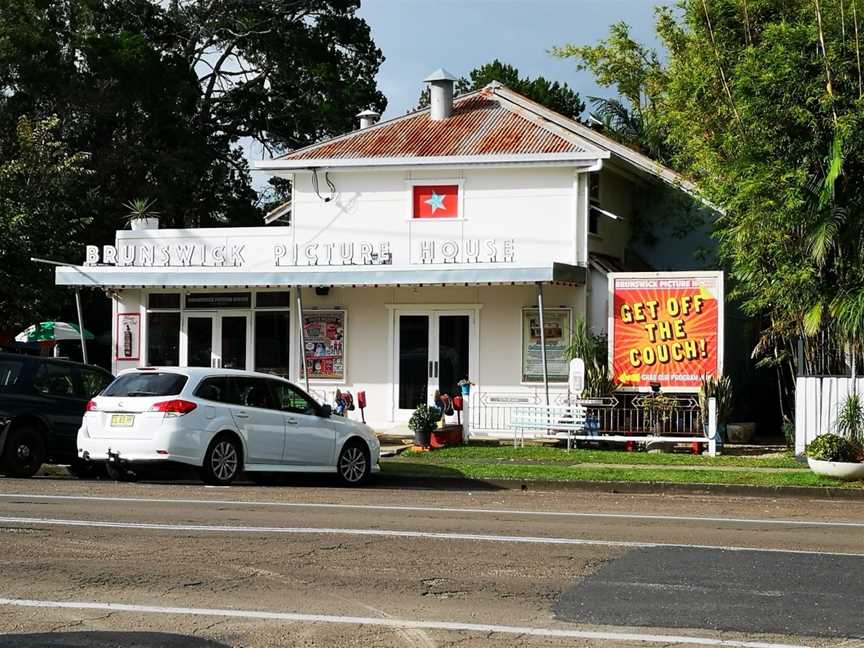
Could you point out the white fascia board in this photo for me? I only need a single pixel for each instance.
(440, 161)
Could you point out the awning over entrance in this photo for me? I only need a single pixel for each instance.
(121, 277)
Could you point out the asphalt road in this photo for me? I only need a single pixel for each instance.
(99, 564)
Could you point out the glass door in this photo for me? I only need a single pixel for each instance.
(433, 352)
(198, 350)
(216, 340)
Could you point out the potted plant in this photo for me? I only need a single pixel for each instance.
(465, 386)
(721, 390)
(141, 215)
(841, 455)
(422, 422)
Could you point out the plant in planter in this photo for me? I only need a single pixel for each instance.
(422, 422)
(721, 390)
(141, 215)
(594, 352)
(841, 455)
(465, 386)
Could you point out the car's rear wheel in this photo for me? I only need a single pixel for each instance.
(24, 452)
(353, 465)
(222, 461)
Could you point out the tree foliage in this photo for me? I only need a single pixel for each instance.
(163, 93)
(552, 94)
(761, 104)
(39, 177)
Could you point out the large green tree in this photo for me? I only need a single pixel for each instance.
(164, 94)
(554, 95)
(762, 102)
(39, 179)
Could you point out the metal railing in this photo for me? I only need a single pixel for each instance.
(621, 415)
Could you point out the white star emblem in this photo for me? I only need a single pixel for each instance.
(435, 201)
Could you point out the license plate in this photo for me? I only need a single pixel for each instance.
(122, 420)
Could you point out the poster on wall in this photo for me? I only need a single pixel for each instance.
(128, 336)
(665, 327)
(324, 334)
(557, 323)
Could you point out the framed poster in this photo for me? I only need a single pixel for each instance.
(324, 337)
(665, 327)
(128, 337)
(558, 324)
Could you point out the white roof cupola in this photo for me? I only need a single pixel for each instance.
(441, 84)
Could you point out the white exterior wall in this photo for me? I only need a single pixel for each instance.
(535, 207)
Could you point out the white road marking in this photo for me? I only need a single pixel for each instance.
(436, 509)
(398, 623)
(399, 533)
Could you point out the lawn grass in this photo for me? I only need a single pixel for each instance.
(547, 455)
(551, 472)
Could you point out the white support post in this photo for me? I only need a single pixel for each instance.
(712, 427)
(302, 337)
(81, 326)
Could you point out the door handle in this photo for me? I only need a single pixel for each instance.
(242, 415)
(436, 369)
(291, 421)
(430, 370)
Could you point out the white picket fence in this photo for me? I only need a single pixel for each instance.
(817, 401)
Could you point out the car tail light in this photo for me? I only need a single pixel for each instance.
(91, 406)
(176, 407)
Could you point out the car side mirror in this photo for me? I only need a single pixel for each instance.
(326, 411)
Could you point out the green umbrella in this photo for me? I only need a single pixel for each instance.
(52, 331)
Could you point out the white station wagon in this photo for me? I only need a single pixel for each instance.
(223, 421)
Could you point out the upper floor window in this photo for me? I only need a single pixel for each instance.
(594, 201)
(436, 201)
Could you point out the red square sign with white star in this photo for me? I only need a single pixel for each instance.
(436, 201)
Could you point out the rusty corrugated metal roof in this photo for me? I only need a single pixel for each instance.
(481, 124)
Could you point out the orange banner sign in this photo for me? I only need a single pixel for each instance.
(667, 328)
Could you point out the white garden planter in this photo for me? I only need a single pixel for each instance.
(139, 224)
(837, 469)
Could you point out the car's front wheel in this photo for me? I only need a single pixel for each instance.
(353, 465)
(24, 452)
(222, 461)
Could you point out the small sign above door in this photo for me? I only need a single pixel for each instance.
(219, 300)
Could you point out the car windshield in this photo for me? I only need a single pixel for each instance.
(146, 384)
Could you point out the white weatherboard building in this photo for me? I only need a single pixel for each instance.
(415, 254)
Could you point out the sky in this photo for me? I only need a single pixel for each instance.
(419, 36)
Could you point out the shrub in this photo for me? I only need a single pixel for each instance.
(830, 447)
(424, 419)
(850, 419)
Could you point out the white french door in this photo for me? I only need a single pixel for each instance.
(432, 352)
(216, 339)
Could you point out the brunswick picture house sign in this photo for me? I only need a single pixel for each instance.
(205, 255)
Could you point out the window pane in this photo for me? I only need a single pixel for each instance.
(253, 392)
(290, 399)
(163, 339)
(216, 389)
(54, 380)
(146, 383)
(93, 381)
(163, 300)
(10, 372)
(278, 299)
(271, 341)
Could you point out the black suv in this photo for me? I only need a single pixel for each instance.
(42, 402)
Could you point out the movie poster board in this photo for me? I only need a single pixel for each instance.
(558, 324)
(665, 327)
(324, 337)
(128, 337)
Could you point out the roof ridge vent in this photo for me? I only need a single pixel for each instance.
(368, 118)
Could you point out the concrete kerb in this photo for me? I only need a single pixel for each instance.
(622, 487)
